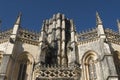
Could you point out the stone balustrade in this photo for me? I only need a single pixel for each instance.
(27, 36)
(56, 73)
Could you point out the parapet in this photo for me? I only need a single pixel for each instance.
(92, 35)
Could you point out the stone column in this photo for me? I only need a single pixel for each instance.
(72, 55)
(63, 54)
(53, 32)
(50, 31)
(58, 37)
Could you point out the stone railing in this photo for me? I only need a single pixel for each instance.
(5, 35)
(56, 73)
(28, 36)
(87, 35)
(112, 36)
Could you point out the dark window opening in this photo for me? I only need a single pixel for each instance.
(22, 71)
(117, 62)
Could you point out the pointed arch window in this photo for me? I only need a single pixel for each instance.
(89, 66)
(22, 69)
(92, 69)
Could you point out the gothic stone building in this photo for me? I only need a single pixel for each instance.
(58, 52)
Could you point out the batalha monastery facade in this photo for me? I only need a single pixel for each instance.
(58, 52)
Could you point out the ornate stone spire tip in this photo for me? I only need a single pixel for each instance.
(20, 13)
(18, 19)
(98, 19)
(118, 21)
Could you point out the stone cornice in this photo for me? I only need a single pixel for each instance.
(114, 41)
(32, 42)
(88, 41)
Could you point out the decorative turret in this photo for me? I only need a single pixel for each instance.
(118, 24)
(99, 25)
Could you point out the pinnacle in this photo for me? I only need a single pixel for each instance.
(98, 19)
(18, 19)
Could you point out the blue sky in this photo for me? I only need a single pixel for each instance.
(81, 11)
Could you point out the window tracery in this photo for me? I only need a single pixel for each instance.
(92, 69)
(89, 66)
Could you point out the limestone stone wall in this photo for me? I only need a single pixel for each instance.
(3, 46)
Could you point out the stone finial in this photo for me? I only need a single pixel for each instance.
(54, 17)
(63, 16)
(50, 21)
(100, 28)
(47, 22)
(72, 25)
(118, 24)
(0, 24)
(58, 16)
(18, 19)
(43, 26)
(98, 19)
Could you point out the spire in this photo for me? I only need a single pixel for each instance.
(98, 19)
(16, 27)
(43, 26)
(72, 25)
(0, 24)
(100, 28)
(118, 24)
(18, 19)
